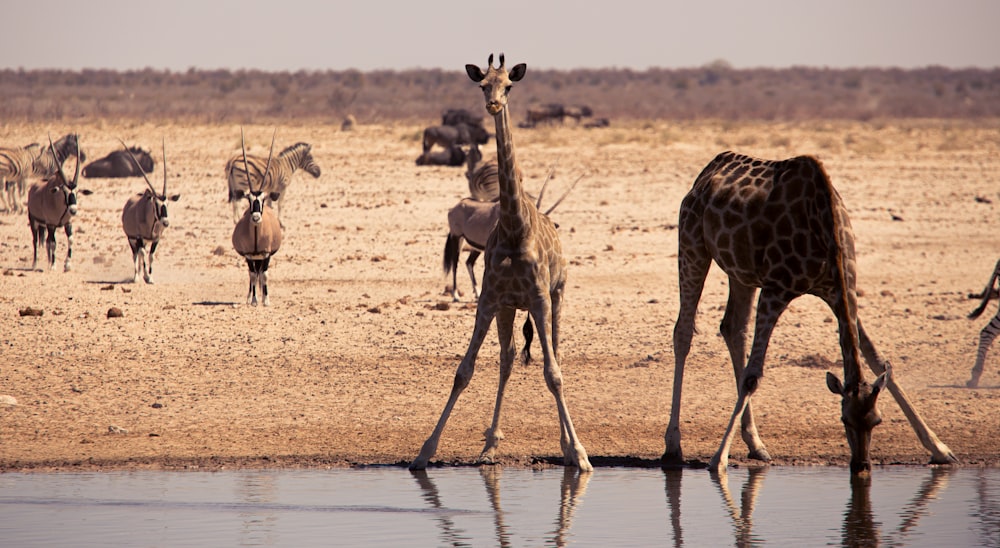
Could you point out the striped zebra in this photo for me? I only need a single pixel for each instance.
(297, 156)
(16, 165)
(989, 333)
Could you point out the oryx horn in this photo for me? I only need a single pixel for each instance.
(139, 167)
(563, 197)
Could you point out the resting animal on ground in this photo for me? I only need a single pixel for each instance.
(132, 162)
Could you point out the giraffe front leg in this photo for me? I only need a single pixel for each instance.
(505, 331)
(940, 453)
(484, 317)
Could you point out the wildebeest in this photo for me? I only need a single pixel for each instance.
(451, 156)
(144, 218)
(547, 113)
(257, 235)
(462, 134)
(52, 204)
(297, 156)
(119, 163)
(456, 116)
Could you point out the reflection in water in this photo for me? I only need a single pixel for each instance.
(918, 505)
(987, 509)
(495, 506)
(860, 527)
(742, 516)
(258, 490)
(571, 490)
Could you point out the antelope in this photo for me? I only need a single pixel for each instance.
(473, 220)
(292, 158)
(52, 204)
(257, 234)
(144, 218)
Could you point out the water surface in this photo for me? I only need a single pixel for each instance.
(491, 506)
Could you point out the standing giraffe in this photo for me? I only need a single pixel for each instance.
(779, 226)
(525, 270)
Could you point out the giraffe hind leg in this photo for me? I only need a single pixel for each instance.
(505, 332)
(770, 305)
(693, 265)
(734, 332)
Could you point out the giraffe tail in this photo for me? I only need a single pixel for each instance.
(987, 293)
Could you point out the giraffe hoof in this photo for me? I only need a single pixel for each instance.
(759, 454)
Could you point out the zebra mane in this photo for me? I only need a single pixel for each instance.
(295, 155)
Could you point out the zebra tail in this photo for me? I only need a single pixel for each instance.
(987, 293)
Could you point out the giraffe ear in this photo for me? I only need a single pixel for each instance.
(517, 72)
(475, 73)
(834, 384)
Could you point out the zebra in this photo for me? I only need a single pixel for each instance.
(52, 204)
(297, 156)
(16, 165)
(989, 333)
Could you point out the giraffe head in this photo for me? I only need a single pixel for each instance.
(496, 82)
(860, 416)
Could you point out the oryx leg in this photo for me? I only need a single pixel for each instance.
(50, 246)
(69, 247)
(138, 249)
(148, 272)
(37, 237)
(262, 280)
(252, 292)
(470, 264)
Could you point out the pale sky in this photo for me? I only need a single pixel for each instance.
(402, 34)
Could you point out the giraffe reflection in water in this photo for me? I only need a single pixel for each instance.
(571, 491)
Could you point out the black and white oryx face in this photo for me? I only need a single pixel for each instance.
(159, 203)
(256, 200)
(67, 191)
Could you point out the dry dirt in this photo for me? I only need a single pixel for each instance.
(353, 360)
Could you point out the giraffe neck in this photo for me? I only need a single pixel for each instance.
(513, 221)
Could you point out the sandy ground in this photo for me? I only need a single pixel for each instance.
(353, 360)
